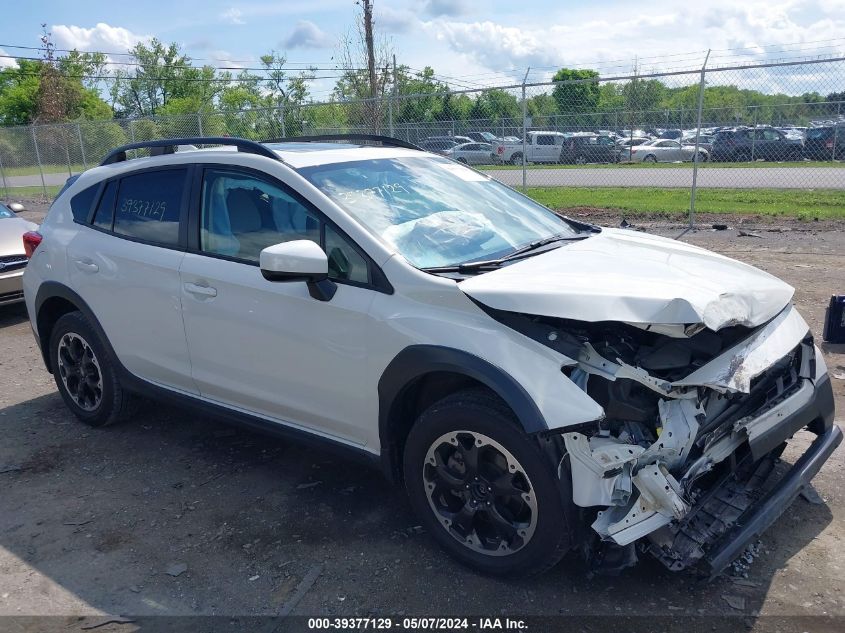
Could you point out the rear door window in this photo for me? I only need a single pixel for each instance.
(149, 206)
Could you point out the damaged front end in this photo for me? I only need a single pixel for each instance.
(695, 421)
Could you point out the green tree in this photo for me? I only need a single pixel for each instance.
(19, 92)
(579, 91)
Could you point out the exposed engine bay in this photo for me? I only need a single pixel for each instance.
(695, 420)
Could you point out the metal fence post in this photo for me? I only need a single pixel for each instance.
(38, 158)
(697, 138)
(524, 132)
(836, 129)
(754, 133)
(81, 147)
(67, 151)
(3, 175)
(199, 124)
(282, 108)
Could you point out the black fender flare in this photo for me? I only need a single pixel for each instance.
(415, 361)
(54, 289)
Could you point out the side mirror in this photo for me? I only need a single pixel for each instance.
(299, 260)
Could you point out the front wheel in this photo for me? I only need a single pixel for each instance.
(483, 489)
(84, 373)
(650, 159)
(580, 159)
(516, 159)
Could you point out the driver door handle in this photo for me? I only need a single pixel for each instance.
(201, 291)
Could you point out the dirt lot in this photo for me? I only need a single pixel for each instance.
(172, 514)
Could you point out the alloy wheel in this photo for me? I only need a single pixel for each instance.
(80, 371)
(480, 493)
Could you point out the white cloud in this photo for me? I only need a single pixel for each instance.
(306, 34)
(5, 62)
(660, 40)
(102, 37)
(233, 15)
(447, 7)
(393, 21)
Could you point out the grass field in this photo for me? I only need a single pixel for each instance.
(798, 203)
(808, 163)
(19, 193)
(821, 204)
(48, 169)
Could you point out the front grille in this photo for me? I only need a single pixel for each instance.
(9, 263)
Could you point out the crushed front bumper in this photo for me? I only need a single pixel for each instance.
(735, 511)
(759, 517)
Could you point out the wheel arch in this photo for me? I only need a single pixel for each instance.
(422, 374)
(54, 300)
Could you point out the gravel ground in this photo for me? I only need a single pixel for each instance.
(174, 514)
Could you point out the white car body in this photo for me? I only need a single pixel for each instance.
(215, 331)
(539, 147)
(661, 151)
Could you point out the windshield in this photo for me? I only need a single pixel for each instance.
(435, 212)
(6, 213)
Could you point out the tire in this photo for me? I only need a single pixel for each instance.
(517, 531)
(580, 159)
(742, 157)
(79, 357)
(650, 159)
(516, 159)
(462, 160)
(703, 157)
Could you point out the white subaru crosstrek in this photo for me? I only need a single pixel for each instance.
(537, 384)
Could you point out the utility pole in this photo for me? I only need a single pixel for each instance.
(394, 92)
(368, 37)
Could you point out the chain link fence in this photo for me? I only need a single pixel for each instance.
(693, 134)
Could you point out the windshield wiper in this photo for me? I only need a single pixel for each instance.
(490, 264)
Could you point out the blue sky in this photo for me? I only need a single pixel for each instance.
(470, 41)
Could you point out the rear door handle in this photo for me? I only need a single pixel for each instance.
(201, 291)
(86, 265)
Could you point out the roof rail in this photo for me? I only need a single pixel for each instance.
(168, 146)
(387, 141)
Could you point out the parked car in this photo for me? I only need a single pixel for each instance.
(540, 147)
(825, 143)
(13, 257)
(482, 137)
(662, 151)
(671, 134)
(746, 144)
(588, 148)
(625, 143)
(471, 153)
(538, 385)
(438, 145)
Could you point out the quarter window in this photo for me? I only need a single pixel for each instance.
(345, 263)
(80, 204)
(149, 205)
(104, 217)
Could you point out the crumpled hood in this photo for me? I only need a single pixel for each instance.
(620, 275)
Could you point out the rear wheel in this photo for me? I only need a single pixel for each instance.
(84, 373)
(516, 159)
(580, 159)
(483, 488)
(651, 158)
